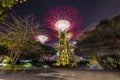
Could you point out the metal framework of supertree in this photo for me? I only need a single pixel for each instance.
(63, 19)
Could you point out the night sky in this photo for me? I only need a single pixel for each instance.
(92, 11)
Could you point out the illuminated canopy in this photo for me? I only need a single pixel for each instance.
(42, 38)
(62, 17)
(62, 25)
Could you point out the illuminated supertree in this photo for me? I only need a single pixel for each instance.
(63, 20)
(41, 36)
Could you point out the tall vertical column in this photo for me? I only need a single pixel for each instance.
(63, 50)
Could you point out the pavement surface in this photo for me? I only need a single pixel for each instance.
(59, 74)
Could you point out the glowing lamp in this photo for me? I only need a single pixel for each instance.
(74, 42)
(62, 25)
(42, 38)
(69, 36)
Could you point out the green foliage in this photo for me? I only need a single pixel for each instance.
(27, 64)
(3, 17)
(6, 61)
(107, 31)
(6, 5)
(32, 46)
(117, 51)
(15, 34)
(111, 62)
(36, 47)
(32, 50)
(3, 50)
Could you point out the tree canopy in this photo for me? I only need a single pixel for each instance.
(107, 31)
(105, 36)
(6, 5)
(16, 33)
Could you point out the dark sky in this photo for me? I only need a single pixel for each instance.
(92, 11)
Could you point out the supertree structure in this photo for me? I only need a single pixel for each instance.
(63, 20)
(70, 14)
(41, 36)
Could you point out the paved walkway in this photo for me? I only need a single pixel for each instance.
(55, 74)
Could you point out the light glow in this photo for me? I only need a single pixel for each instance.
(42, 38)
(62, 25)
(69, 35)
(66, 15)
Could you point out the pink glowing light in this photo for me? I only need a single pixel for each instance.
(62, 25)
(69, 15)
